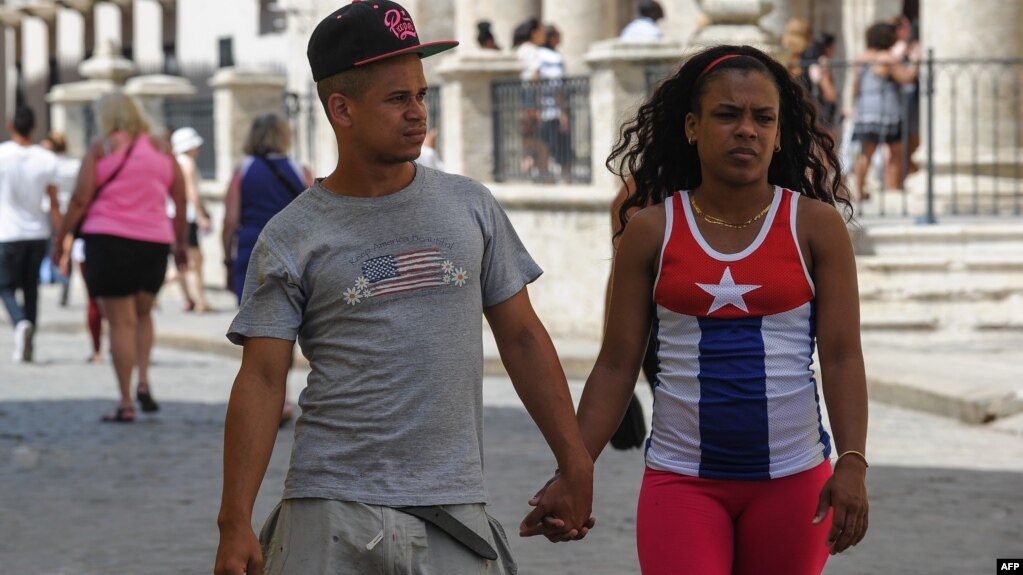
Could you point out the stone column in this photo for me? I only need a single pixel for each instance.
(152, 91)
(35, 67)
(68, 108)
(467, 120)
(104, 72)
(435, 20)
(127, 27)
(238, 97)
(977, 107)
(581, 24)
(618, 85)
(106, 18)
(148, 42)
(735, 22)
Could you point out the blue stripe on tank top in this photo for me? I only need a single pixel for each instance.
(655, 328)
(734, 440)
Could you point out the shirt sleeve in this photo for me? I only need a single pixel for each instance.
(507, 266)
(273, 300)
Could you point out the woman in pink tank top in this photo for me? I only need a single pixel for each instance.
(120, 201)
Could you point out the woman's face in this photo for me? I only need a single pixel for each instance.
(737, 128)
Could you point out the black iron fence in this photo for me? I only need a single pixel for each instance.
(542, 130)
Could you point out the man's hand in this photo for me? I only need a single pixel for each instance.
(239, 552)
(561, 509)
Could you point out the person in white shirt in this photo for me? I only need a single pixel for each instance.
(28, 174)
(186, 143)
(428, 156)
(644, 28)
(555, 126)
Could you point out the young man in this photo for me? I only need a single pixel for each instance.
(382, 271)
(28, 173)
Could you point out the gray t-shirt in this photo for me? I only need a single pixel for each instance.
(385, 296)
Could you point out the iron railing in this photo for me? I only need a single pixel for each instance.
(542, 130)
(196, 112)
(961, 128)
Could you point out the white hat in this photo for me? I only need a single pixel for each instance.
(185, 139)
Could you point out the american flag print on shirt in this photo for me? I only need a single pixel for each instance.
(404, 272)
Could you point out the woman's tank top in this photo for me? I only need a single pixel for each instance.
(133, 204)
(736, 397)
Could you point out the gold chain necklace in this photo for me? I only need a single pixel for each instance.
(713, 220)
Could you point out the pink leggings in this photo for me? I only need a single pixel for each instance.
(690, 525)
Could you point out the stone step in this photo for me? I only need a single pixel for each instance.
(895, 291)
(932, 263)
(962, 236)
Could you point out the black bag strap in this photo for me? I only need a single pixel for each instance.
(77, 232)
(280, 176)
(113, 174)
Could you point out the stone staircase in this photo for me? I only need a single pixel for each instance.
(960, 280)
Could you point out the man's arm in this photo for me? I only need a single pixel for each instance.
(253, 416)
(535, 370)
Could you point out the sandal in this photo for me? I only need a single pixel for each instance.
(147, 402)
(121, 415)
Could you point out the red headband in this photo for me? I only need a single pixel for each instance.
(717, 61)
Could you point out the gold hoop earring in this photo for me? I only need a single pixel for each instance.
(692, 141)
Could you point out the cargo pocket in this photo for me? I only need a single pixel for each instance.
(504, 556)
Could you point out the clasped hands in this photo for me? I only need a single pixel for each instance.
(561, 509)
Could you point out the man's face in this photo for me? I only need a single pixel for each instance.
(388, 121)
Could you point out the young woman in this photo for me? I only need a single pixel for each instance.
(740, 263)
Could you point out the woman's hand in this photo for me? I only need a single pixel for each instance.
(180, 256)
(846, 494)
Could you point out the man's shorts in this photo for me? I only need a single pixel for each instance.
(327, 537)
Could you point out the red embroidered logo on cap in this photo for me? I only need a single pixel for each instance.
(400, 24)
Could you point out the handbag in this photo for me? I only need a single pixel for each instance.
(78, 227)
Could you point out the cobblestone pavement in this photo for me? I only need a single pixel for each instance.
(80, 497)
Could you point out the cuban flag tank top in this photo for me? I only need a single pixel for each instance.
(735, 395)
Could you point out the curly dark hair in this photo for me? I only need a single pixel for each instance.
(653, 151)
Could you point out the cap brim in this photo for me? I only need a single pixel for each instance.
(424, 50)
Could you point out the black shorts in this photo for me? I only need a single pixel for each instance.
(119, 267)
(193, 235)
(870, 133)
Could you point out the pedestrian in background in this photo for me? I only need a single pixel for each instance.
(28, 176)
(485, 36)
(877, 79)
(264, 183)
(120, 201)
(186, 143)
(383, 271)
(644, 28)
(743, 264)
(74, 248)
(555, 118)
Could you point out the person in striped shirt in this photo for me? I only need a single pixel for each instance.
(740, 265)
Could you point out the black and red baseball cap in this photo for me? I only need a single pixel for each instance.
(363, 32)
